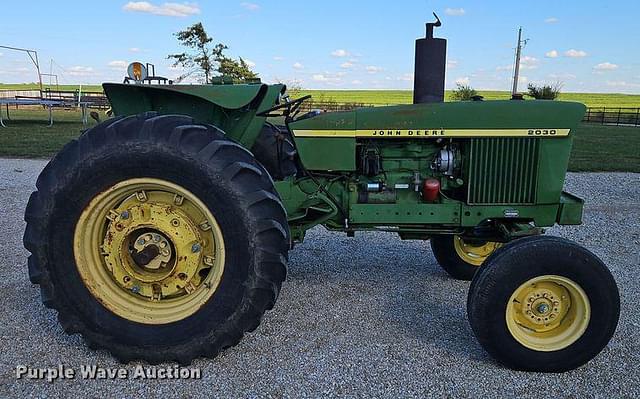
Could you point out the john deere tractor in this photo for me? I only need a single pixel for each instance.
(162, 234)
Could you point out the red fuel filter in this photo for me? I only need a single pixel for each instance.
(430, 190)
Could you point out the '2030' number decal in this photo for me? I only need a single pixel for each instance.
(542, 132)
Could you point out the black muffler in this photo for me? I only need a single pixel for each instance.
(430, 64)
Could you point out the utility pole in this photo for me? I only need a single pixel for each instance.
(516, 70)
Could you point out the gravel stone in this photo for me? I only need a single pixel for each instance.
(370, 316)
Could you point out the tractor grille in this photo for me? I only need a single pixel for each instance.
(503, 170)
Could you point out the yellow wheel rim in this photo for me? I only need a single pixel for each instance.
(548, 313)
(472, 253)
(149, 251)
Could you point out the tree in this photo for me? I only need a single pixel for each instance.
(205, 59)
(544, 92)
(237, 69)
(463, 92)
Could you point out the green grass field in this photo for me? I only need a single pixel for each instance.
(596, 147)
(384, 97)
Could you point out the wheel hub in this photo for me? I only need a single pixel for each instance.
(149, 250)
(140, 250)
(543, 306)
(548, 313)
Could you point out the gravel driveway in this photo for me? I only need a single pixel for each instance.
(367, 316)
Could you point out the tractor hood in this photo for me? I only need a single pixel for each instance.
(462, 119)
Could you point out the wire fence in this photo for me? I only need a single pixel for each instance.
(70, 98)
(613, 116)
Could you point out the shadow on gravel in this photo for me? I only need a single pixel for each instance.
(433, 311)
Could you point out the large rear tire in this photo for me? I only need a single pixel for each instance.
(543, 304)
(156, 238)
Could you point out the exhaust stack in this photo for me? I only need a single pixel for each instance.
(430, 62)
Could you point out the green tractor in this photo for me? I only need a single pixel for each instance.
(162, 234)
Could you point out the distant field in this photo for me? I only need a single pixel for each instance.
(383, 97)
(596, 147)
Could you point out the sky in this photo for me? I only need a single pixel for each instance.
(587, 46)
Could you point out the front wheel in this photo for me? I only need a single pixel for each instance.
(461, 257)
(543, 304)
(157, 239)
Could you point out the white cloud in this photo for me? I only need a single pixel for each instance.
(166, 9)
(405, 77)
(575, 53)
(356, 82)
(297, 65)
(325, 78)
(551, 54)
(278, 58)
(605, 66)
(551, 20)
(462, 80)
(249, 63)
(373, 69)
(118, 65)
(250, 6)
(454, 11)
(340, 53)
(346, 65)
(134, 49)
(504, 68)
(0, 54)
(623, 84)
(81, 71)
(452, 64)
(562, 76)
(522, 79)
(527, 62)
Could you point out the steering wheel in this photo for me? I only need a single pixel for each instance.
(291, 108)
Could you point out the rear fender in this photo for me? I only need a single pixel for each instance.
(232, 108)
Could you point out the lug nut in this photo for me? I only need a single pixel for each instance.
(195, 248)
(124, 215)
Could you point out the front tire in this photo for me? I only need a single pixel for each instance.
(460, 257)
(543, 304)
(156, 238)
